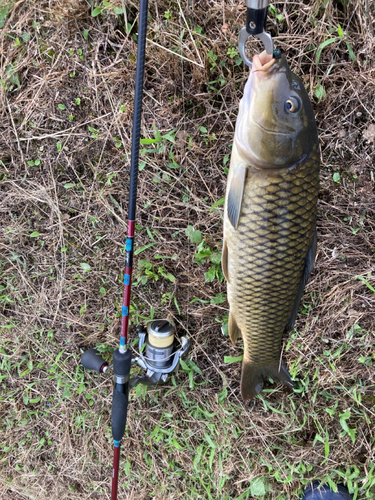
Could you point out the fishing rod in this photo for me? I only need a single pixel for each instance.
(162, 354)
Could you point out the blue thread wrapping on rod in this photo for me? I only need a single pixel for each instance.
(129, 244)
(125, 310)
(126, 279)
(122, 341)
(116, 443)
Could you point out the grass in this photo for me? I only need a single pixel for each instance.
(67, 88)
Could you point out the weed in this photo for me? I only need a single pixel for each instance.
(149, 272)
(205, 254)
(341, 37)
(336, 178)
(234, 54)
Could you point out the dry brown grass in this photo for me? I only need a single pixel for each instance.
(55, 437)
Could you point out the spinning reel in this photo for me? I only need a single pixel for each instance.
(161, 354)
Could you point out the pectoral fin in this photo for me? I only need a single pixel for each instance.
(235, 195)
(224, 261)
(309, 267)
(233, 329)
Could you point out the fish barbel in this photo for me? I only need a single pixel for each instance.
(269, 243)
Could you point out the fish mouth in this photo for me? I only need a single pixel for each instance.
(262, 62)
(269, 131)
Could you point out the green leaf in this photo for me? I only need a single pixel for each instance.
(170, 136)
(370, 287)
(219, 298)
(351, 53)
(322, 46)
(118, 10)
(218, 203)
(203, 130)
(215, 257)
(177, 306)
(148, 141)
(166, 275)
(85, 34)
(210, 274)
(257, 487)
(362, 359)
(59, 146)
(231, 359)
(272, 9)
(139, 250)
(31, 163)
(157, 134)
(85, 267)
(320, 93)
(17, 42)
(69, 185)
(78, 101)
(195, 236)
(184, 365)
(34, 234)
(351, 433)
(109, 182)
(37, 162)
(336, 177)
(96, 11)
(61, 106)
(340, 31)
(326, 448)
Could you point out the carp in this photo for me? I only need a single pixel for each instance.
(270, 241)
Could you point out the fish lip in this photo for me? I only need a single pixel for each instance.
(258, 62)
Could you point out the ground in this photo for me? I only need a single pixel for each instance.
(67, 88)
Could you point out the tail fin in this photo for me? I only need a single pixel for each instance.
(253, 377)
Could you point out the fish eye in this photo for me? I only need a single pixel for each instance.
(292, 104)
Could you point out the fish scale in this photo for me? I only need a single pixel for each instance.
(274, 248)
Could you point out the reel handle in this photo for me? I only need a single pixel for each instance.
(92, 360)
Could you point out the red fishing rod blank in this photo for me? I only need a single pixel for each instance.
(122, 356)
